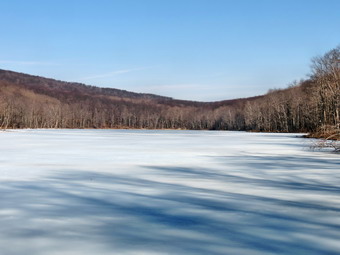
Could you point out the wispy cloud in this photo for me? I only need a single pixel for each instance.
(113, 73)
(26, 63)
(185, 91)
(178, 86)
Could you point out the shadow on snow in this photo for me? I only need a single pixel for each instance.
(168, 210)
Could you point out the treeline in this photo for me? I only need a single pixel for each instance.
(307, 106)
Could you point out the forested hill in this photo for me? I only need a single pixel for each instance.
(310, 105)
(28, 101)
(62, 90)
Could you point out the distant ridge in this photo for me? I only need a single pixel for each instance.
(311, 105)
(38, 102)
(38, 83)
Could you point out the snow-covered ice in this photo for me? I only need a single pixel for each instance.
(166, 192)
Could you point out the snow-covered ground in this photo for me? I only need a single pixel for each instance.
(166, 192)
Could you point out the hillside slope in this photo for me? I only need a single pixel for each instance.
(37, 102)
(311, 105)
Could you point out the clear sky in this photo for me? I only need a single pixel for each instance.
(202, 50)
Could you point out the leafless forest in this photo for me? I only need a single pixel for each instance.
(310, 105)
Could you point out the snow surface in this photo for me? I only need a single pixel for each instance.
(166, 192)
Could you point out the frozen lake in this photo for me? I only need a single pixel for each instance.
(166, 192)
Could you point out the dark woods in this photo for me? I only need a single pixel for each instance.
(307, 106)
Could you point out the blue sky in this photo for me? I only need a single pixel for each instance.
(202, 50)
